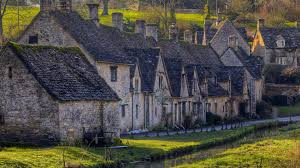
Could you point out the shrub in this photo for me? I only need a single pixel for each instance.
(264, 110)
(188, 122)
(213, 119)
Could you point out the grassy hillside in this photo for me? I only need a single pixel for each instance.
(10, 20)
(11, 28)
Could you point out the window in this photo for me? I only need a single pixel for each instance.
(280, 43)
(216, 80)
(175, 112)
(137, 111)
(183, 109)
(33, 39)
(194, 108)
(155, 112)
(195, 86)
(136, 85)
(123, 109)
(208, 107)
(1, 119)
(10, 74)
(164, 111)
(160, 81)
(114, 73)
(216, 107)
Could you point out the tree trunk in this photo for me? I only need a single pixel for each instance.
(105, 8)
(1, 30)
(173, 11)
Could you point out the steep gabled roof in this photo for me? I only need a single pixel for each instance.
(148, 60)
(189, 53)
(65, 73)
(174, 70)
(215, 90)
(291, 36)
(105, 44)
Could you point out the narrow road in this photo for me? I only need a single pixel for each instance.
(216, 128)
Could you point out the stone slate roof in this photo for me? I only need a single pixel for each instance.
(148, 60)
(65, 73)
(211, 31)
(291, 36)
(189, 53)
(237, 75)
(215, 90)
(253, 64)
(104, 43)
(174, 69)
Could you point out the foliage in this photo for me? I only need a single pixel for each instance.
(213, 119)
(264, 110)
(285, 111)
(10, 21)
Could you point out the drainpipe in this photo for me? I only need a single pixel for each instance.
(132, 111)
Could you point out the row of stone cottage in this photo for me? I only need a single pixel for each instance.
(119, 81)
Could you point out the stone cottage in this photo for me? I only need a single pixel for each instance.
(159, 82)
(51, 95)
(277, 45)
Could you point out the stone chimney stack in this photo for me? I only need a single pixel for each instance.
(260, 23)
(117, 21)
(46, 5)
(93, 10)
(152, 31)
(188, 36)
(232, 41)
(140, 27)
(64, 5)
(173, 32)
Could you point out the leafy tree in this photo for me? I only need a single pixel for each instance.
(3, 5)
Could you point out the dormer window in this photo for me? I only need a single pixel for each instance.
(160, 82)
(33, 39)
(10, 73)
(280, 43)
(114, 73)
(232, 41)
(136, 85)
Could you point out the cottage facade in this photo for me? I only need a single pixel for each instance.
(50, 95)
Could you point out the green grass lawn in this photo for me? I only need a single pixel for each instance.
(285, 111)
(139, 149)
(282, 150)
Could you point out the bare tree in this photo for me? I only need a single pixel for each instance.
(3, 5)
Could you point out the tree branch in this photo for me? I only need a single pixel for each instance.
(4, 7)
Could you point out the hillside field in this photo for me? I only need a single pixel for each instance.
(26, 14)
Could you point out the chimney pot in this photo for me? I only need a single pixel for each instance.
(188, 36)
(140, 27)
(152, 31)
(260, 23)
(93, 10)
(117, 20)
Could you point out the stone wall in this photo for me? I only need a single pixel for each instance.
(122, 88)
(282, 89)
(30, 113)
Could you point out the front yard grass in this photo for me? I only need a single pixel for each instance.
(285, 111)
(140, 148)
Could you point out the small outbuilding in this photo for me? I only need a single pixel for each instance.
(51, 95)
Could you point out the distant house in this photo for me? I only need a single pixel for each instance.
(51, 95)
(277, 45)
